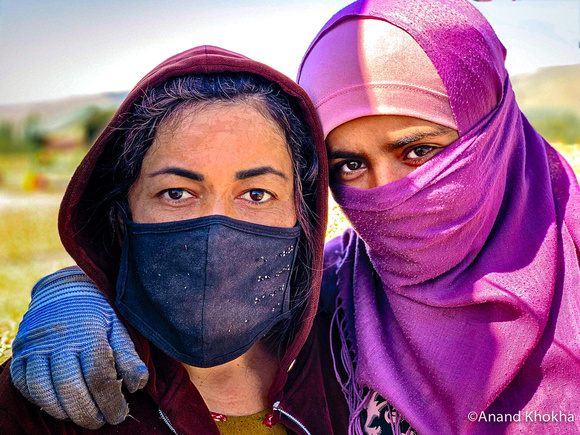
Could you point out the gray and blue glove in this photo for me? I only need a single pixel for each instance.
(72, 353)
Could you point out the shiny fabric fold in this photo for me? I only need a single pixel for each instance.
(463, 277)
(382, 72)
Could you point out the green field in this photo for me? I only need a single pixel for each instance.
(29, 249)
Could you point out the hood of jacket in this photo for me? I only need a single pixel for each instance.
(99, 256)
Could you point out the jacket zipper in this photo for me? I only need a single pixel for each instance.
(166, 421)
(276, 407)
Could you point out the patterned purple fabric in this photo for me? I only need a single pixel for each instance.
(461, 289)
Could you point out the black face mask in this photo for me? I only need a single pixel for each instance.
(205, 290)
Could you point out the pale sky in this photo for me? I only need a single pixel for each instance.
(53, 49)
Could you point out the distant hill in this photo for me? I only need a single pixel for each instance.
(548, 89)
(57, 111)
(61, 124)
(550, 99)
(555, 88)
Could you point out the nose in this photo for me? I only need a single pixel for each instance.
(388, 170)
(216, 205)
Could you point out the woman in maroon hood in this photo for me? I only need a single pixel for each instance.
(454, 295)
(200, 214)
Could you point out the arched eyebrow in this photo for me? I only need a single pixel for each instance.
(180, 172)
(255, 172)
(240, 175)
(438, 130)
(343, 155)
(401, 142)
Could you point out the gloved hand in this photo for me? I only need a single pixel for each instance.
(69, 349)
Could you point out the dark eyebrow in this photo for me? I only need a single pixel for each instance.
(192, 175)
(255, 172)
(419, 135)
(343, 155)
(399, 143)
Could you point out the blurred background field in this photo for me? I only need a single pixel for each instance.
(41, 145)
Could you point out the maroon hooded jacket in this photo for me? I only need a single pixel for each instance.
(306, 393)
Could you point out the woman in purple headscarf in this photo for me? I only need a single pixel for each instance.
(455, 295)
(457, 292)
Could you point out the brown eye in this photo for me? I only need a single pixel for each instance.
(420, 151)
(257, 195)
(353, 165)
(175, 194)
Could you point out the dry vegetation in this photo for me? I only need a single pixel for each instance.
(29, 249)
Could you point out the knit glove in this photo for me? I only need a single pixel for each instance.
(69, 349)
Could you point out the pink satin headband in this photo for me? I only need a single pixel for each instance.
(365, 66)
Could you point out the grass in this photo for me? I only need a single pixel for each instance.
(29, 249)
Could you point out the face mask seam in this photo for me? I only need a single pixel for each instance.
(258, 229)
(204, 292)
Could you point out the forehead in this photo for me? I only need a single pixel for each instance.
(384, 128)
(228, 134)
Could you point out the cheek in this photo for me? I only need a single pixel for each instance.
(137, 204)
(282, 214)
(290, 209)
(403, 170)
(290, 216)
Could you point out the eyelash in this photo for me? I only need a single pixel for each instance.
(339, 171)
(270, 196)
(165, 194)
(418, 158)
(339, 167)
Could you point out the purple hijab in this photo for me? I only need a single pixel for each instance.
(460, 288)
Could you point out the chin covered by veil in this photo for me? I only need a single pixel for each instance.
(460, 289)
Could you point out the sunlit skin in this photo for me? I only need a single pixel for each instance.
(221, 160)
(373, 151)
(225, 160)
